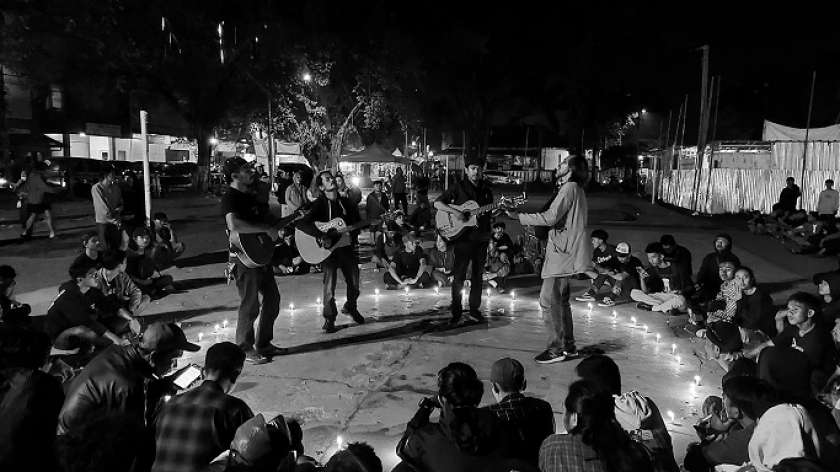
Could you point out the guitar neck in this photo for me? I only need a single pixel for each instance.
(486, 208)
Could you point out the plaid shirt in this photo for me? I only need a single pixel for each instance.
(531, 417)
(568, 453)
(195, 427)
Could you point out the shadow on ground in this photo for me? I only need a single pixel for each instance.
(199, 260)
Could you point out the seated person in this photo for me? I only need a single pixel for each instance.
(120, 292)
(13, 311)
(708, 278)
(757, 223)
(166, 244)
(606, 265)
(754, 313)
(828, 287)
(421, 217)
(818, 242)
(676, 253)
(91, 248)
(286, 259)
(809, 227)
(400, 227)
(441, 262)
(503, 241)
(408, 266)
(71, 318)
(723, 307)
(384, 248)
(662, 285)
(140, 265)
(626, 278)
(496, 268)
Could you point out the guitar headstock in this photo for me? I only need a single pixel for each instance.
(512, 202)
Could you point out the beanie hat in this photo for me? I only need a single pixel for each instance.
(600, 234)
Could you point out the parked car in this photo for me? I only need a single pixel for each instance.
(77, 174)
(500, 177)
(173, 176)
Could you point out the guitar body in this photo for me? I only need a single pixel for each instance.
(310, 247)
(450, 227)
(254, 250)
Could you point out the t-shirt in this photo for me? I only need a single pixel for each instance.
(408, 263)
(828, 202)
(631, 266)
(242, 204)
(466, 191)
(816, 344)
(788, 197)
(606, 258)
(673, 277)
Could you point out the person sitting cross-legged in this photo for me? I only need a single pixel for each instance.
(663, 284)
(532, 417)
(626, 278)
(606, 265)
(117, 286)
(725, 304)
(441, 262)
(384, 248)
(196, 426)
(286, 259)
(496, 268)
(408, 266)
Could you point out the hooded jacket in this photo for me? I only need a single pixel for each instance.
(709, 276)
(568, 250)
(463, 440)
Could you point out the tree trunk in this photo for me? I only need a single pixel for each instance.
(201, 179)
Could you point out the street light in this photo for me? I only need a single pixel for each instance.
(640, 115)
(307, 77)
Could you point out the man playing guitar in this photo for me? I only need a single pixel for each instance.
(325, 208)
(245, 215)
(471, 245)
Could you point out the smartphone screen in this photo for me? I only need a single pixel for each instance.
(187, 377)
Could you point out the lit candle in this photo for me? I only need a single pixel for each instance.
(463, 293)
(406, 291)
(318, 300)
(697, 380)
(224, 323)
(633, 319)
(488, 292)
(200, 336)
(513, 295)
(679, 361)
(437, 290)
(292, 306)
(671, 416)
(657, 337)
(590, 306)
(673, 349)
(615, 314)
(216, 328)
(339, 442)
(376, 292)
(646, 329)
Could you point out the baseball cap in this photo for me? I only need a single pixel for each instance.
(141, 231)
(166, 336)
(233, 165)
(254, 439)
(622, 248)
(508, 373)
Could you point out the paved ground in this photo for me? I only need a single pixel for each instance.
(364, 382)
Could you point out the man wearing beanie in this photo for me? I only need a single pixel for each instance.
(471, 245)
(532, 417)
(708, 278)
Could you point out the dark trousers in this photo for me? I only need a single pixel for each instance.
(343, 259)
(424, 281)
(109, 235)
(467, 252)
(251, 283)
(401, 197)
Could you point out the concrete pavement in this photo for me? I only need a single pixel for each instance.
(364, 382)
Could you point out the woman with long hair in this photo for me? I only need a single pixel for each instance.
(595, 441)
(465, 438)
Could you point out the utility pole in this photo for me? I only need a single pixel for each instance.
(807, 133)
(701, 133)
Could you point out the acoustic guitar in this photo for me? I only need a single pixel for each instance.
(313, 251)
(257, 249)
(450, 227)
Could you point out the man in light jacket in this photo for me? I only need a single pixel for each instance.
(568, 252)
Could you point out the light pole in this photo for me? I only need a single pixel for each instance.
(640, 114)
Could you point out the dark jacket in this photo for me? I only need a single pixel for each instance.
(29, 404)
(73, 308)
(114, 381)
(376, 207)
(681, 256)
(463, 192)
(756, 312)
(709, 274)
(473, 439)
(323, 210)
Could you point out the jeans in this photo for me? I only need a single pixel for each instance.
(659, 301)
(251, 283)
(344, 259)
(109, 235)
(466, 252)
(557, 314)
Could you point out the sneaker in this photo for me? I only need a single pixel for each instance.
(606, 301)
(476, 317)
(644, 306)
(354, 313)
(549, 357)
(272, 351)
(255, 358)
(586, 297)
(454, 320)
(700, 333)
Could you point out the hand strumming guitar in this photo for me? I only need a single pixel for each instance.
(512, 214)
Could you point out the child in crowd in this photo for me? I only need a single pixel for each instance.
(166, 244)
(13, 311)
(286, 259)
(91, 249)
(496, 268)
(408, 266)
(140, 265)
(384, 248)
(503, 241)
(441, 262)
(606, 265)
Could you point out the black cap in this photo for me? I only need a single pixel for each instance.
(600, 234)
(233, 165)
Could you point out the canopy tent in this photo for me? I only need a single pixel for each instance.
(374, 153)
(777, 132)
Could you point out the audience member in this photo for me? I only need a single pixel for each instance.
(140, 265)
(91, 248)
(595, 440)
(167, 246)
(29, 402)
(626, 278)
(829, 289)
(784, 430)
(286, 259)
(296, 193)
(723, 306)
(797, 464)
(282, 181)
(398, 188)
(11, 310)
(828, 202)
(532, 417)
(376, 206)
(108, 441)
(195, 427)
(466, 438)
(675, 253)
(638, 415)
(662, 285)
(421, 217)
(408, 266)
(71, 318)
(384, 247)
(606, 265)
(754, 313)
(503, 241)
(120, 380)
(708, 278)
(358, 457)
(259, 446)
(108, 205)
(126, 299)
(36, 192)
(788, 196)
(441, 262)
(496, 268)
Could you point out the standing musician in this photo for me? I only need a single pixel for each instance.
(245, 215)
(471, 245)
(328, 206)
